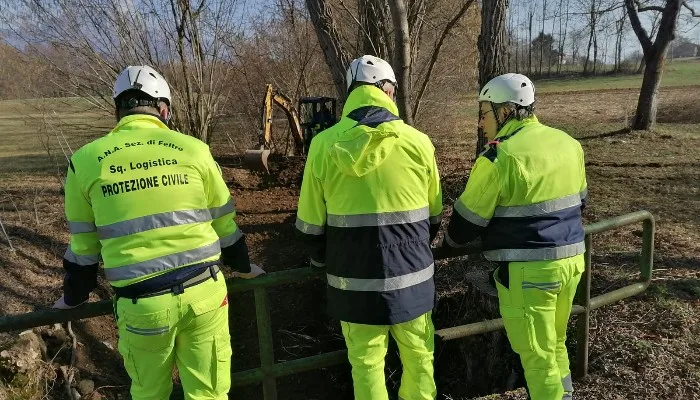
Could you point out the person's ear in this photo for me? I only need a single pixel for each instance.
(390, 90)
(164, 111)
(504, 112)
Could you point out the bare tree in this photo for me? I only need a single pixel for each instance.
(592, 37)
(562, 33)
(91, 41)
(407, 20)
(335, 53)
(620, 33)
(654, 53)
(435, 53)
(375, 28)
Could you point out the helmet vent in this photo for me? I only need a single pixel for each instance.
(151, 74)
(522, 85)
(370, 62)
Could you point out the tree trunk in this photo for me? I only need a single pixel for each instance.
(492, 40)
(544, 16)
(416, 19)
(654, 57)
(402, 58)
(595, 52)
(531, 14)
(492, 46)
(645, 117)
(335, 55)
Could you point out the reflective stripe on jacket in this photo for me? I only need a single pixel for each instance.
(370, 202)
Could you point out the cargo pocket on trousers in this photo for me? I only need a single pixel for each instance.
(519, 328)
(149, 332)
(222, 366)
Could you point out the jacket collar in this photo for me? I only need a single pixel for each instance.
(368, 95)
(513, 125)
(140, 119)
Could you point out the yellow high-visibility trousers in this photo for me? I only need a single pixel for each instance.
(367, 347)
(535, 308)
(189, 330)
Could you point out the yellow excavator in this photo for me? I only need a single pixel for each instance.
(313, 115)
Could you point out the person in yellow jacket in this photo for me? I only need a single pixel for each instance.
(524, 198)
(370, 205)
(151, 204)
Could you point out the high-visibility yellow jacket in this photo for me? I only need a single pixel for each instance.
(151, 204)
(370, 199)
(524, 196)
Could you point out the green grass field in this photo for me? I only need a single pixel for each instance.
(676, 73)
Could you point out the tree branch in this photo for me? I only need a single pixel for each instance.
(641, 8)
(436, 53)
(691, 9)
(641, 33)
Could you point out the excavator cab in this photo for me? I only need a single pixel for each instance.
(317, 114)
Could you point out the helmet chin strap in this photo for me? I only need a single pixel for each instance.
(500, 124)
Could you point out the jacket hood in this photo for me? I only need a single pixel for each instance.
(369, 142)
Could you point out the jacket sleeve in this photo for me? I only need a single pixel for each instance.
(311, 215)
(584, 183)
(83, 254)
(434, 199)
(234, 250)
(474, 208)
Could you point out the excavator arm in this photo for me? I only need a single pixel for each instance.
(292, 117)
(272, 98)
(319, 108)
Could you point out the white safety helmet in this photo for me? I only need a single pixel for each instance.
(369, 69)
(144, 79)
(509, 88)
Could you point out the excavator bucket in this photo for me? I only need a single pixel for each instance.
(256, 160)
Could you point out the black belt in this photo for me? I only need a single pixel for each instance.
(176, 289)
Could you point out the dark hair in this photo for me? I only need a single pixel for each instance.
(520, 112)
(134, 101)
(378, 84)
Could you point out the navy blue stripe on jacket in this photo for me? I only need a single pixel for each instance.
(372, 116)
(559, 228)
(379, 252)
